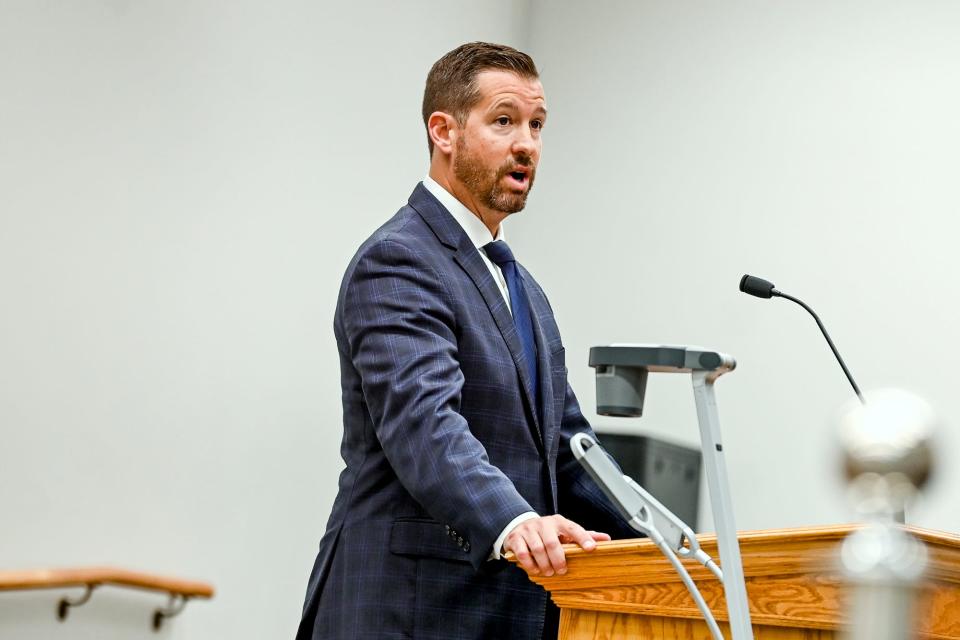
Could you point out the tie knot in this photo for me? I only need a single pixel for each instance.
(499, 252)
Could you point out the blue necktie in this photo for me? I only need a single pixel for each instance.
(499, 252)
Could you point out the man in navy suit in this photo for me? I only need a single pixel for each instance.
(456, 409)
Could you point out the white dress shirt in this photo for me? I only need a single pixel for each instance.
(479, 235)
(474, 228)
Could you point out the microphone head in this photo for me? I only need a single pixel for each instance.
(756, 286)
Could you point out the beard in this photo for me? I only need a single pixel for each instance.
(485, 184)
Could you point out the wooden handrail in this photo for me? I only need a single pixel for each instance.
(92, 577)
(81, 577)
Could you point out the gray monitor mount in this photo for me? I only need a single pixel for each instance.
(621, 374)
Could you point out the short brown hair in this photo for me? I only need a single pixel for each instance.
(452, 81)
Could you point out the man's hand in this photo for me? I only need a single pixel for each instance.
(537, 543)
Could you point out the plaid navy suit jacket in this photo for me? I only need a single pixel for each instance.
(443, 444)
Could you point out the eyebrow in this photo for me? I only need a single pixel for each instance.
(508, 103)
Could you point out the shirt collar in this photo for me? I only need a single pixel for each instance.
(472, 225)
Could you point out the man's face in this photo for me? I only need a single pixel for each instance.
(498, 149)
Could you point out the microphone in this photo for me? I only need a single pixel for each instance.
(757, 287)
(765, 289)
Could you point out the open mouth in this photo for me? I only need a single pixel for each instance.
(520, 177)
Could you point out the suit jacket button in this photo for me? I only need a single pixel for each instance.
(466, 547)
(447, 527)
(459, 541)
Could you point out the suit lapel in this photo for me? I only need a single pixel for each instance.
(468, 257)
(450, 233)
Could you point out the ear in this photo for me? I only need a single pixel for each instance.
(443, 130)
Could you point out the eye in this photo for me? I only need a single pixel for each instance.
(503, 120)
(537, 124)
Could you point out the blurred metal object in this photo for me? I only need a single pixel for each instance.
(885, 565)
(888, 456)
(889, 435)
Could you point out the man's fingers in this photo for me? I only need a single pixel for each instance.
(538, 543)
(573, 532)
(570, 531)
(590, 543)
(518, 545)
(534, 539)
(558, 560)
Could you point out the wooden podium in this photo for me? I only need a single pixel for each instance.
(625, 589)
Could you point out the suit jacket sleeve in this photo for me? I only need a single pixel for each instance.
(399, 325)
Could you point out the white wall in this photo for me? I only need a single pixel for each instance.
(181, 186)
(812, 143)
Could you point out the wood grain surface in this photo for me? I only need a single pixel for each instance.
(794, 585)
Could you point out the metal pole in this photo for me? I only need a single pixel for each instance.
(734, 585)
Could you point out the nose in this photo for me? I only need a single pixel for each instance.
(525, 144)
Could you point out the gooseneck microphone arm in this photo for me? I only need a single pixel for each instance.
(826, 335)
(764, 289)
